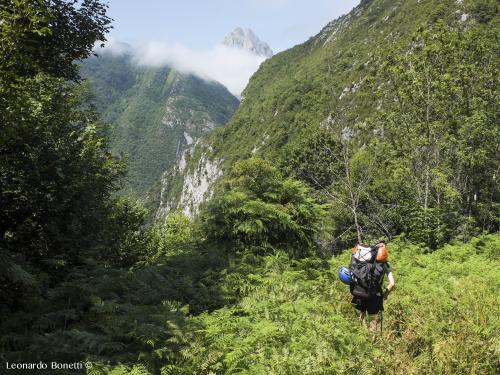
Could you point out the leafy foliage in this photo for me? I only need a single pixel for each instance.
(446, 326)
(174, 236)
(49, 37)
(264, 212)
(56, 173)
(439, 125)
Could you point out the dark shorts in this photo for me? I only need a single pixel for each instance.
(372, 305)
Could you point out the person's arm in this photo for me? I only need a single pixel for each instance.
(390, 286)
(390, 278)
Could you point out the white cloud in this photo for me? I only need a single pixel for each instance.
(230, 66)
(114, 46)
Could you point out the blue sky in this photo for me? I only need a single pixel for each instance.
(199, 24)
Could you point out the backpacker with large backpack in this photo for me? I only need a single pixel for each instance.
(366, 272)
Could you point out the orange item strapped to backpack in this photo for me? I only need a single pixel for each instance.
(382, 254)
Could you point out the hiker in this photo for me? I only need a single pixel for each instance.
(368, 267)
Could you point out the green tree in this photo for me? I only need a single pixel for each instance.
(55, 169)
(38, 36)
(56, 174)
(439, 123)
(260, 210)
(174, 236)
(344, 169)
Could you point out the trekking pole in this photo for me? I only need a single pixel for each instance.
(381, 322)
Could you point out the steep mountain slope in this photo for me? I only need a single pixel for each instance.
(307, 88)
(155, 112)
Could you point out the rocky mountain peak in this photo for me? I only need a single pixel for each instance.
(247, 40)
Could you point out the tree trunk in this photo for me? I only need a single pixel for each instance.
(426, 194)
(358, 228)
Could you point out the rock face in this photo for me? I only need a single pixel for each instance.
(185, 187)
(247, 40)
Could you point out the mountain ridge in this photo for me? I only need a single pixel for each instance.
(155, 113)
(246, 39)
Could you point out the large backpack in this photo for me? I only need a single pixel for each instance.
(366, 273)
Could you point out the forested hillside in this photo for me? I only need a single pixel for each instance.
(384, 125)
(155, 114)
(390, 112)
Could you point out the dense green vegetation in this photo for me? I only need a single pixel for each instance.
(250, 286)
(261, 211)
(390, 113)
(294, 317)
(271, 314)
(56, 174)
(150, 109)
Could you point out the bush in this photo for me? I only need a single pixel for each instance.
(262, 211)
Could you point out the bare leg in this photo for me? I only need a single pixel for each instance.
(362, 317)
(374, 323)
